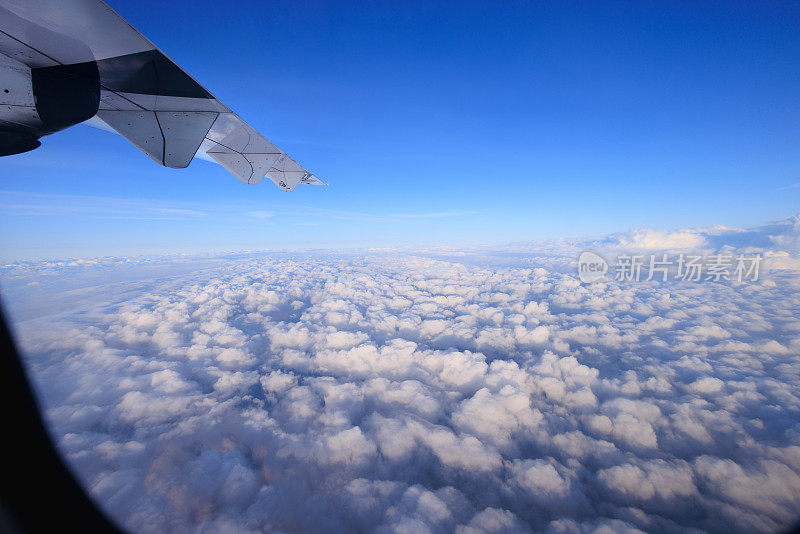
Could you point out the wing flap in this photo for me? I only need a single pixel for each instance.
(138, 127)
(183, 132)
(168, 138)
(249, 168)
(287, 173)
(238, 147)
(232, 132)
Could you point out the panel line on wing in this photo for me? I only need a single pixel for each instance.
(249, 167)
(57, 62)
(163, 141)
(123, 97)
(238, 152)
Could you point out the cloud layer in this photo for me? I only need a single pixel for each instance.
(413, 394)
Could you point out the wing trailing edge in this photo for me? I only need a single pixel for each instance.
(144, 95)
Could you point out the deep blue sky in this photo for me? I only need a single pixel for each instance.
(441, 123)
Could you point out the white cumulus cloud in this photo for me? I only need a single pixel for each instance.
(431, 392)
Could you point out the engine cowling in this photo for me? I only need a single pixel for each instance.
(35, 102)
(66, 94)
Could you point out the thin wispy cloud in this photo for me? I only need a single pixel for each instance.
(56, 204)
(260, 214)
(181, 211)
(343, 215)
(433, 215)
(791, 186)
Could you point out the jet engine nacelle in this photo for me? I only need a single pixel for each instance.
(39, 101)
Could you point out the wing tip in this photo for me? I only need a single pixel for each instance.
(313, 180)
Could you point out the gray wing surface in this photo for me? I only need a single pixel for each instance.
(144, 96)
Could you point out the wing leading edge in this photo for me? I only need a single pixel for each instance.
(144, 96)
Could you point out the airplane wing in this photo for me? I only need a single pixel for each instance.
(144, 95)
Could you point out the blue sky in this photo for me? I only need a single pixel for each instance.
(441, 124)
